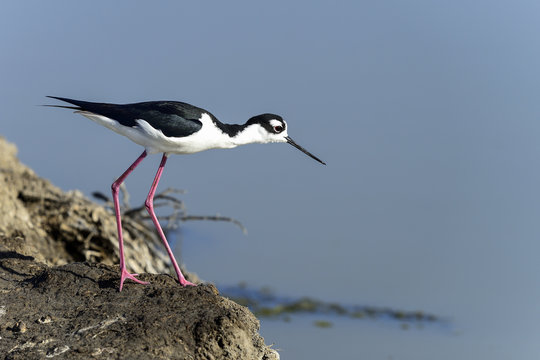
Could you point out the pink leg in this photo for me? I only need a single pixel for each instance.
(150, 207)
(115, 187)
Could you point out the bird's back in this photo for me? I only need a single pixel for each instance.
(173, 118)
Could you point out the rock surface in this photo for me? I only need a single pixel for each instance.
(59, 293)
(58, 228)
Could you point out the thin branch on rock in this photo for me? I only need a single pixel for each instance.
(165, 199)
(215, 218)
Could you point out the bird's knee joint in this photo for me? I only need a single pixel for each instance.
(149, 204)
(115, 187)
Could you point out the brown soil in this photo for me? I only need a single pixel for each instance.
(59, 293)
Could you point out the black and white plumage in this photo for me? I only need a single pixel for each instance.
(172, 127)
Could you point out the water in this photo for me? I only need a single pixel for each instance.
(426, 114)
(350, 339)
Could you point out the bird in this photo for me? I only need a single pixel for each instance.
(173, 127)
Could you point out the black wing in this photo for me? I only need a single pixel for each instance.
(173, 118)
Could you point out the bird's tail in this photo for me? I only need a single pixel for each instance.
(76, 107)
(62, 106)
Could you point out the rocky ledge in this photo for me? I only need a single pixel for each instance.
(59, 293)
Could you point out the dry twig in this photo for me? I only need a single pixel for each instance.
(166, 198)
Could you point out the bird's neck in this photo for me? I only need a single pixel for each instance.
(244, 134)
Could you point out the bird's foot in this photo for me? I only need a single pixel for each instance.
(126, 275)
(185, 283)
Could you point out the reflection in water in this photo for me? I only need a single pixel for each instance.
(265, 304)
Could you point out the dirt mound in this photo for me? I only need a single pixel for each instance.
(59, 293)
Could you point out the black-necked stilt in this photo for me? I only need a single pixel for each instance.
(172, 127)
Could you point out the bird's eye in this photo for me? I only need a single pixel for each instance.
(278, 128)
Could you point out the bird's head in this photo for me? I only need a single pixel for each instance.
(272, 128)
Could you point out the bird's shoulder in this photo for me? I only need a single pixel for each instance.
(173, 118)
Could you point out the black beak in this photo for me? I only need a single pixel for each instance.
(290, 141)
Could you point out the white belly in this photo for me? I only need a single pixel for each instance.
(154, 141)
